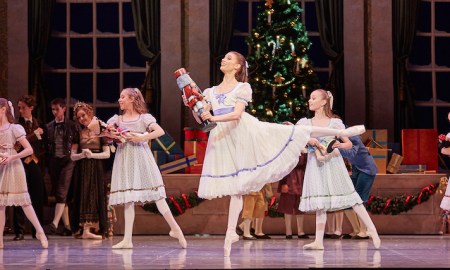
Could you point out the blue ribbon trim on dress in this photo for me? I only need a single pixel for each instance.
(257, 166)
(223, 111)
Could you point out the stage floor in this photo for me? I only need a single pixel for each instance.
(206, 252)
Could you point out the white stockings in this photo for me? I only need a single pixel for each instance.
(231, 236)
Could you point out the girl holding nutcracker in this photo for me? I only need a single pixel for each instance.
(243, 154)
(13, 182)
(135, 174)
(327, 185)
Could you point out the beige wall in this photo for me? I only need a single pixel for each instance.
(368, 64)
(174, 116)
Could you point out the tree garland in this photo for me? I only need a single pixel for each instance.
(375, 205)
(398, 204)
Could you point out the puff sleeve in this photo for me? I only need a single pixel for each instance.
(113, 120)
(207, 93)
(18, 131)
(303, 122)
(337, 123)
(148, 120)
(244, 93)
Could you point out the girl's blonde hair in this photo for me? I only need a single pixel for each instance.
(138, 100)
(242, 74)
(9, 113)
(327, 108)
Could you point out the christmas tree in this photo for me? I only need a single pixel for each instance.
(281, 73)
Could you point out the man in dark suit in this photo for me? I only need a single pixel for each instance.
(61, 132)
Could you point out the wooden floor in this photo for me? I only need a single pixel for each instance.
(206, 252)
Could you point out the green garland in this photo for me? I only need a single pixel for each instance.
(375, 205)
(398, 204)
(178, 205)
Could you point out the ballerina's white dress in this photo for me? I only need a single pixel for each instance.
(135, 174)
(327, 185)
(13, 182)
(245, 154)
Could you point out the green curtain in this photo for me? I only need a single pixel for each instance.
(221, 14)
(404, 14)
(331, 28)
(39, 30)
(147, 24)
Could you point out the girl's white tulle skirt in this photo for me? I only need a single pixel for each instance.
(243, 155)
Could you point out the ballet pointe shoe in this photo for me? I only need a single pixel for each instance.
(124, 244)
(229, 239)
(313, 246)
(375, 238)
(352, 131)
(41, 237)
(179, 235)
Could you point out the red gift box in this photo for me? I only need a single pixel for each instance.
(194, 169)
(194, 134)
(419, 146)
(197, 148)
(201, 135)
(189, 134)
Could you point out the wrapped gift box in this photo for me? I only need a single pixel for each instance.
(378, 135)
(380, 157)
(197, 148)
(167, 144)
(194, 134)
(194, 169)
(394, 163)
(419, 146)
(178, 164)
(162, 158)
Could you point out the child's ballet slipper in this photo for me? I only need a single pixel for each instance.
(313, 246)
(41, 237)
(123, 244)
(229, 239)
(179, 235)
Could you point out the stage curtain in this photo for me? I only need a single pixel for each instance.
(147, 24)
(221, 14)
(39, 29)
(331, 29)
(404, 15)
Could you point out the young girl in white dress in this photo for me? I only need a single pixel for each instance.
(135, 175)
(13, 182)
(327, 185)
(243, 154)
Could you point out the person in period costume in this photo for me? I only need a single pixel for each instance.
(243, 154)
(327, 185)
(135, 175)
(290, 189)
(88, 182)
(13, 182)
(33, 165)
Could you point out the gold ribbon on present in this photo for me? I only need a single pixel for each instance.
(166, 149)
